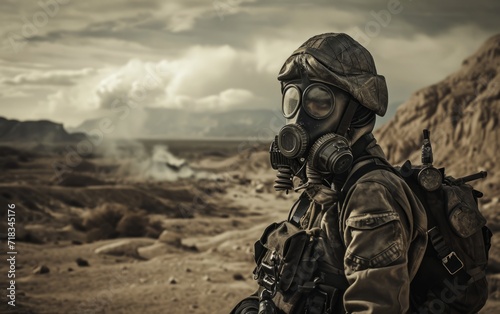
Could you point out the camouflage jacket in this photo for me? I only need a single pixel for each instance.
(377, 237)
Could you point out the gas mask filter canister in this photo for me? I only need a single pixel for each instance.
(331, 153)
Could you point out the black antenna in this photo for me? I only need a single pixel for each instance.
(427, 157)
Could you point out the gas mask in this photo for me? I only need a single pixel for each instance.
(311, 134)
(324, 82)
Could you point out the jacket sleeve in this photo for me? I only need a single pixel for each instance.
(376, 236)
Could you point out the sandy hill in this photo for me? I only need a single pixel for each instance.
(462, 112)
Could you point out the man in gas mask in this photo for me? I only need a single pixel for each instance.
(356, 236)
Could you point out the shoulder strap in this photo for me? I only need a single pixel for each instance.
(298, 210)
(364, 169)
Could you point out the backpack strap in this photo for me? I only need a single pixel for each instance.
(299, 208)
(375, 163)
(450, 260)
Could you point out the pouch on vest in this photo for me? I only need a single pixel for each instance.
(287, 260)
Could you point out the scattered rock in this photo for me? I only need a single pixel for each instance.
(132, 225)
(228, 295)
(76, 242)
(82, 262)
(207, 278)
(191, 248)
(238, 276)
(152, 251)
(259, 188)
(172, 280)
(126, 247)
(70, 269)
(193, 306)
(42, 269)
(169, 237)
(188, 270)
(142, 280)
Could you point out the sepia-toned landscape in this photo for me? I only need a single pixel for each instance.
(168, 226)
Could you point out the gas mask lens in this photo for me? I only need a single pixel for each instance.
(291, 100)
(318, 101)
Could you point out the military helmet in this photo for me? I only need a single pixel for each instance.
(337, 59)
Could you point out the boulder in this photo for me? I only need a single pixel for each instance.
(125, 247)
(171, 238)
(157, 249)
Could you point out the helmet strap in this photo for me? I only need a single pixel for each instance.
(347, 117)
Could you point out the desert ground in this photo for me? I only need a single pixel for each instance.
(146, 226)
(157, 236)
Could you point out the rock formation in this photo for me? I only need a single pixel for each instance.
(462, 112)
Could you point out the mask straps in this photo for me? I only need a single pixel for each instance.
(347, 117)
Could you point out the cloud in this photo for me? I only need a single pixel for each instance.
(160, 24)
(54, 77)
(205, 77)
(413, 63)
(271, 54)
(224, 77)
(229, 98)
(14, 94)
(179, 17)
(138, 81)
(216, 54)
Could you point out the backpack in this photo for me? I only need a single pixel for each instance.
(452, 275)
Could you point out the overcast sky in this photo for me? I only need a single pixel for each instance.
(70, 60)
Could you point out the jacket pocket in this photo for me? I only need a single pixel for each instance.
(373, 240)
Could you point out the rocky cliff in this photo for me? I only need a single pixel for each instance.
(462, 112)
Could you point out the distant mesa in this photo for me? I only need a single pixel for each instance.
(181, 123)
(35, 131)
